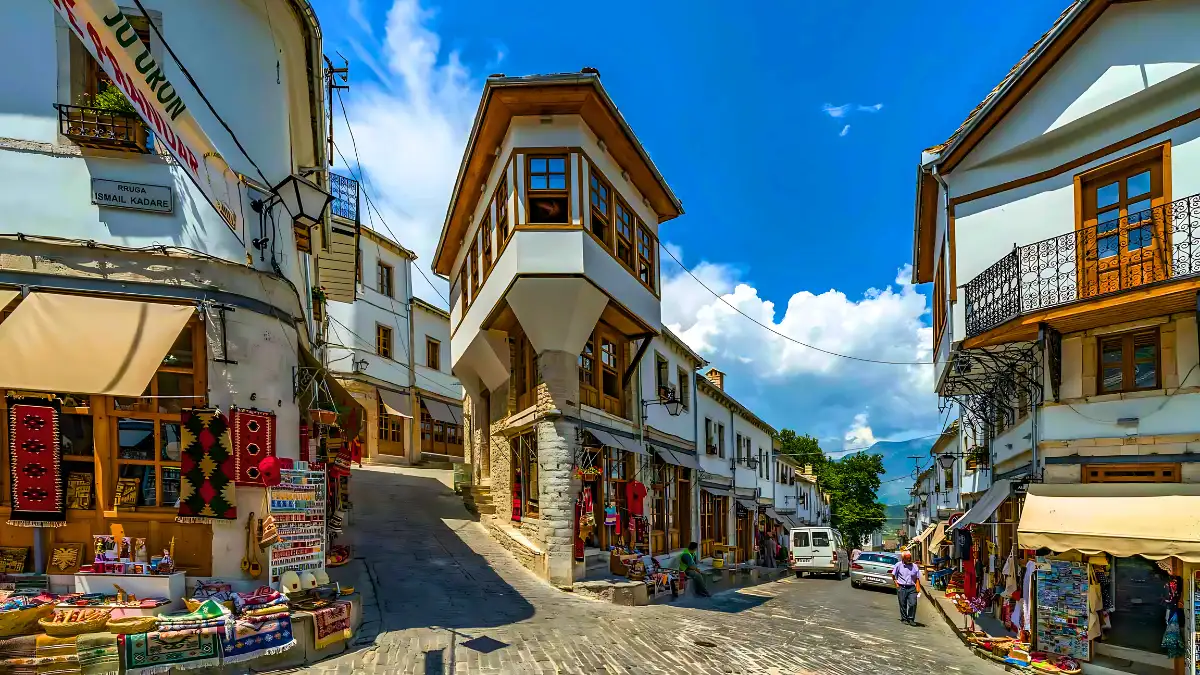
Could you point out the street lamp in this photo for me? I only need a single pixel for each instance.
(303, 199)
(946, 461)
(672, 403)
(924, 498)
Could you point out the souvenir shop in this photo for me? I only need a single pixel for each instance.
(1081, 577)
(116, 501)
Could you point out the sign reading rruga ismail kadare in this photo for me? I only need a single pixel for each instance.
(112, 41)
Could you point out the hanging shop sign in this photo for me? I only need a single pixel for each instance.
(111, 39)
(137, 196)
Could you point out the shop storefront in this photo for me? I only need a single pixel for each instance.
(714, 520)
(674, 473)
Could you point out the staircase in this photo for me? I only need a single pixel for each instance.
(478, 500)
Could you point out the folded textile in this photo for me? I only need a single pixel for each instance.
(259, 618)
(193, 624)
(209, 609)
(331, 624)
(16, 655)
(150, 653)
(252, 640)
(207, 630)
(265, 595)
(266, 609)
(99, 654)
(56, 655)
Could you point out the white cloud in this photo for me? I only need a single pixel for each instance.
(845, 131)
(836, 111)
(411, 126)
(870, 108)
(846, 403)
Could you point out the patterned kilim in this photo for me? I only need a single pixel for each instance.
(253, 640)
(253, 439)
(35, 458)
(206, 467)
(99, 654)
(331, 624)
(16, 655)
(56, 655)
(149, 653)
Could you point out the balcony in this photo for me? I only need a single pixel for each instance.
(103, 128)
(337, 261)
(345, 197)
(1141, 249)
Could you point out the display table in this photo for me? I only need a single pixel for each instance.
(169, 586)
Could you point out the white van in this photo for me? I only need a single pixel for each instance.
(818, 550)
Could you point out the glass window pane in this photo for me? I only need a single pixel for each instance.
(1144, 352)
(1140, 237)
(145, 478)
(1111, 380)
(800, 540)
(75, 435)
(1108, 221)
(170, 441)
(135, 439)
(820, 539)
(537, 182)
(1145, 375)
(180, 354)
(173, 386)
(1138, 211)
(557, 165)
(1108, 247)
(1137, 185)
(537, 166)
(558, 182)
(1112, 352)
(170, 486)
(1108, 195)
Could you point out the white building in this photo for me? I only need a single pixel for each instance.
(120, 277)
(1059, 227)
(386, 347)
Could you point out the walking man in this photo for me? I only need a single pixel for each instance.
(688, 565)
(908, 578)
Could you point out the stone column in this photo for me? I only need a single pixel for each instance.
(556, 436)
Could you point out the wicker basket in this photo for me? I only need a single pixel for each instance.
(73, 622)
(23, 621)
(128, 625)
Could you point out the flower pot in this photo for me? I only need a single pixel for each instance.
(323, 416)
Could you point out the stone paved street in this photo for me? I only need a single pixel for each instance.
(451, 600)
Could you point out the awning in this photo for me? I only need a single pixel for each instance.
(987, 505)
(716, 491)
(87, 345)
(6, 296)
(684, 459)
(925, 534)
(1153, 520)
(771, 514)
(395, 403)
(442, 412)
(614, 441)
(748, 504)
(789, 522)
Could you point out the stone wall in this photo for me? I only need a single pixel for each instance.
(557, 443)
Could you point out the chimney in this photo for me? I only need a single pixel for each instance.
(716, 377)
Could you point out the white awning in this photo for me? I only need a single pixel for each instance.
(442, 412)
(614, 441)
(986, 505)
(683, 459)
(716, 491)
(395, 403)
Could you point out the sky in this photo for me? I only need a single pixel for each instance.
(791, 134)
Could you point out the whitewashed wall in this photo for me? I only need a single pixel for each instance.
(657, 416)
(354, 338)
(436, 326)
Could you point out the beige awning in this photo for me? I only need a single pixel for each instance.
(395, 403)
(920, 538)
(6, 296)
(612, 440)
(1154, 520)
(442, 412)
(87, 345)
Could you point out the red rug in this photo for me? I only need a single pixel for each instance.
(35, 458)
(253, 439)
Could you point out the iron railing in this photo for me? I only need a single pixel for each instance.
(1158, 244)
(102, 128)
(345, 197)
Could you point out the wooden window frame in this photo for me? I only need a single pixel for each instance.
(649, 261)
(600, 206)
(940, 318)
(1164, 472)
(473, 260)
(1128, 342)
(619, 239)
(685, 384)
(710, 440)
(525, 376)
(527, 450)
(433, 353)
(534, 193)
(485, 234)
(386, 279)
(504, 225)
(384, 341)
(662, 376)
(739, 443)
(591, 383)
(720, 440)
(464, 295)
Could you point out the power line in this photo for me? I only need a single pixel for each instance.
(786, 337)
(402, 365)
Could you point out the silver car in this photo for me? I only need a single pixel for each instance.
(873, 569)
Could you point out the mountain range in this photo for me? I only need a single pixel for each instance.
(898, 466)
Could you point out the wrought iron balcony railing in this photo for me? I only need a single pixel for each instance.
(1158, 244)
(345, 197)
(103, 128)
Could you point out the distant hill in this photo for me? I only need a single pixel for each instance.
(897, 478)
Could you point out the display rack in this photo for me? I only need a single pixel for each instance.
(298, 507)
(1062, 608)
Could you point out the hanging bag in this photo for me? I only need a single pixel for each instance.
(269, 532)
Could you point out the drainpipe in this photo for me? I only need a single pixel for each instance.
(415, 436)
(640, 411)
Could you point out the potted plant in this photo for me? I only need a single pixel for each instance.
(111, 100)
(323, 415)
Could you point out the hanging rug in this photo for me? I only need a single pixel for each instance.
(150, 653)
(331, 624)
(253, 439)
(35, 458)
(207, 469)
(252, 640)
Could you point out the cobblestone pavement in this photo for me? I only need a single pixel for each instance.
(448, 599)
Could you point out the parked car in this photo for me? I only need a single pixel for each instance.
(873, 569)
(818, 550)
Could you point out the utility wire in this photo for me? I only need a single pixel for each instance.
(402, 365)
(787, 337)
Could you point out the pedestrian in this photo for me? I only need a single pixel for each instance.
(689, 566)
(908, 579)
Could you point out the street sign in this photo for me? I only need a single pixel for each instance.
(137, 196)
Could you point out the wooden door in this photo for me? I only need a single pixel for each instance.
(1124, 234)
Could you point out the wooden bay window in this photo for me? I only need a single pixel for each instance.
(601, 365)
(625, 227)
(647, 271)
(600, 197)
(503, 226)
(547, 194)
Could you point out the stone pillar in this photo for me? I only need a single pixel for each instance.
(556, 436)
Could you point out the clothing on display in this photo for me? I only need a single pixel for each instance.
(635, 495)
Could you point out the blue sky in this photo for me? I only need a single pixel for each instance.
(790, 133)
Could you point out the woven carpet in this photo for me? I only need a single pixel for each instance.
(16, 655)
(56, 655)
(207, 468)
(35, 459)
(253, 439)
(150, 653)
(331, 624)
(252, 640)
(99, 654)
